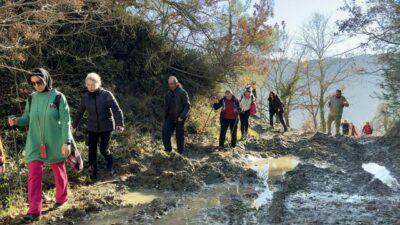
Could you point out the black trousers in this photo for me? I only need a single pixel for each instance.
(232, 125)
(280, 117)
(93, 141)
(168, 130)
(244, 122)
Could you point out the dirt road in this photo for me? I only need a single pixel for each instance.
(291, 178)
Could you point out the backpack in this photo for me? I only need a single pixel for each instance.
(252, 98)
(253, 105)
(56, 101)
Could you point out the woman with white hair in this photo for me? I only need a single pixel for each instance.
(104, 116)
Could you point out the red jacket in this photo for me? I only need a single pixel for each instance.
(367, 129)
(354, 131)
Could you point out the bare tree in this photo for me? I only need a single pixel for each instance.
(309, 100)
(285, 72)
(326, 69)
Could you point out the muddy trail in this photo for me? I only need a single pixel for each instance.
(291, 178)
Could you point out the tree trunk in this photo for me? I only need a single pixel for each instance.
(322, 112)
(315, 121)
(322, 94)
(287, 112)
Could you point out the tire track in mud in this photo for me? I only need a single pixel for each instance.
(325, 195)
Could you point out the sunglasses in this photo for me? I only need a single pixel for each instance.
(38, 83)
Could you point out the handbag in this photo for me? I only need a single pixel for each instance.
(253, 108)
(75, 159)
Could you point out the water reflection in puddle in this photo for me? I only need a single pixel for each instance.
(274, 166)
(382, 174)
(218, 195)
(267, 169)
(213, 196)
(135, 198)
(122, 215)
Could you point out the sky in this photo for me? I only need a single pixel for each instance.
(360, 93)
(296, 12)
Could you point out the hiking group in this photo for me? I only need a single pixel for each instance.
(50, 134)
(336, 105)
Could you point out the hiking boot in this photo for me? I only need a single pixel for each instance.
(57, 206)
(110, 167)
(219, 148)
(93, 173)
(93, 176)
(30, 218)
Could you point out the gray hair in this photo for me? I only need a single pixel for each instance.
(173, 78)
(94, 77)
(228, 91)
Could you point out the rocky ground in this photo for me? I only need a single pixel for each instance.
(205, 186)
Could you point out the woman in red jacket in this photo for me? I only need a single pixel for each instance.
(353, 130)
(367, 129)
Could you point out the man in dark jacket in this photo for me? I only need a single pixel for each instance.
(230, 109)
(176, 111)
(345, 127)
(276, 107)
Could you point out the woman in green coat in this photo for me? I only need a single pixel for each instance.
(48, 141)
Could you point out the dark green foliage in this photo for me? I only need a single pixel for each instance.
(133, 60)
(391, 87)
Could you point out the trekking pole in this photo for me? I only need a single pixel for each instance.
(234, 125)
(205, 124)
(14, 134)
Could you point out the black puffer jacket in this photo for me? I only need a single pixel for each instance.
(275, 104)
(177, 104)
(103, 111)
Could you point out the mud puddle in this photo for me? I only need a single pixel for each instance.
(143, 197)
(382, 174)
(212, 196)
(267, 170)
(273, 167)
(194, 208)
(123, 215)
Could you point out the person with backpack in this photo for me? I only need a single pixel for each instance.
(48, 142)
(345, 127)
(177, 109)
(104, 117)
(2, 159)
(276, 107)
(353, 130)
(336, 104)
(367, 129)
(230, 109)
(247, 101)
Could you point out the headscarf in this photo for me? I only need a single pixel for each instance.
(44, 76)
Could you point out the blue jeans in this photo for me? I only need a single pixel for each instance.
(168, 130)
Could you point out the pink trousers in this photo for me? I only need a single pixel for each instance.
(35, 174)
